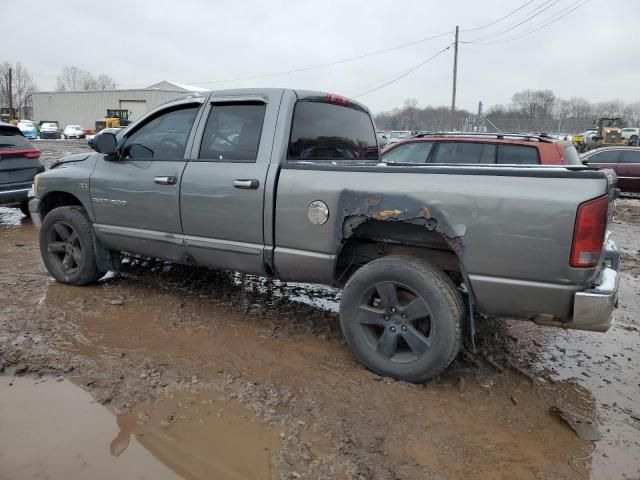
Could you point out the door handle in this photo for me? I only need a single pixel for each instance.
(248, 184)
(165, 180)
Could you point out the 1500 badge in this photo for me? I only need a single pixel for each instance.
(109, 201)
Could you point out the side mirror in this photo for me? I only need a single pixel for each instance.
(106, 143)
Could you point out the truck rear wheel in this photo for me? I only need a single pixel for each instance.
(402, 318)
(66, 246)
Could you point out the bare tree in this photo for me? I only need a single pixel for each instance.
(22, 91)
(105, 82)
(536, 106)
(72, 78)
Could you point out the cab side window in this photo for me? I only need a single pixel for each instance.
(233, 131)
(162, 138)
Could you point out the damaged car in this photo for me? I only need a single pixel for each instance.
(289, 184)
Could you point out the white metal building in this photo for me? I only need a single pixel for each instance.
(85, 107)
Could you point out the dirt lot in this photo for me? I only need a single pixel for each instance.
(163, 371)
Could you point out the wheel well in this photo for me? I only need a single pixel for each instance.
(55, 200)
(375, 239)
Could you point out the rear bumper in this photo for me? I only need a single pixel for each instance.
(49, 135)
(14, 193)
(593, 308)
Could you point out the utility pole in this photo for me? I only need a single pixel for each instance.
(10, 95)
(455, 79)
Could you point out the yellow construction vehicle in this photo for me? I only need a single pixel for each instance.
(115, 118)
(609, 132)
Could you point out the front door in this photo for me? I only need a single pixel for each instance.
(223, 187)
(136, 197)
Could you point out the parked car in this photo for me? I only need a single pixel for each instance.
(399, 135)
(301, 195)
(73, 131)
(383, 141)
(631, 134)
(625, 161)
(50, 130)
(19, 163)
(474, 148)
(28, 128)
(91, 138)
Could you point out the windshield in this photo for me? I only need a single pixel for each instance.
(400, 134)
(49, 125)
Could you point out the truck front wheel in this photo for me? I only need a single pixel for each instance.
(66, 246)
(402, 318)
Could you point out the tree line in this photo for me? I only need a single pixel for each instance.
(528, 111)
(23, 85)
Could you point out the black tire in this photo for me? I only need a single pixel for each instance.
(24, 208)
(412, 338)
(67, 248)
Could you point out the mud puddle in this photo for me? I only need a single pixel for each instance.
(50, 428)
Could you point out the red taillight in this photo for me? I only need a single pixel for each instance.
(588, 234)
(333, 98)
(35, 153)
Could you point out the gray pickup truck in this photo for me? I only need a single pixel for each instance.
(288, 184)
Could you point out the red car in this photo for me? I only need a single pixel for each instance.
(494, 148)
(624, 160)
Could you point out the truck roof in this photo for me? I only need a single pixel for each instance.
(312, 95)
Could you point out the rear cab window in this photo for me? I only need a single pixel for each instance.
(323, 131)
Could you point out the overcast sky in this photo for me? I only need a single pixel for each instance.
(591, 52)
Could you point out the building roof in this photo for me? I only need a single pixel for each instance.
(165, 85)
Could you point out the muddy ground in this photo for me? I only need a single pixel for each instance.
(163, 371)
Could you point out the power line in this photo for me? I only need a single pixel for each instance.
(545, 23)
(538, 10)
(499, 19)
(348, 59)
(404, 74)
(321, 65)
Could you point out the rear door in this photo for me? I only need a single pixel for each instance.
(223, 187)
(136, 198)
(629, 171)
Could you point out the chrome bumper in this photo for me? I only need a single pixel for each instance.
(593, 308)
(34, 211)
